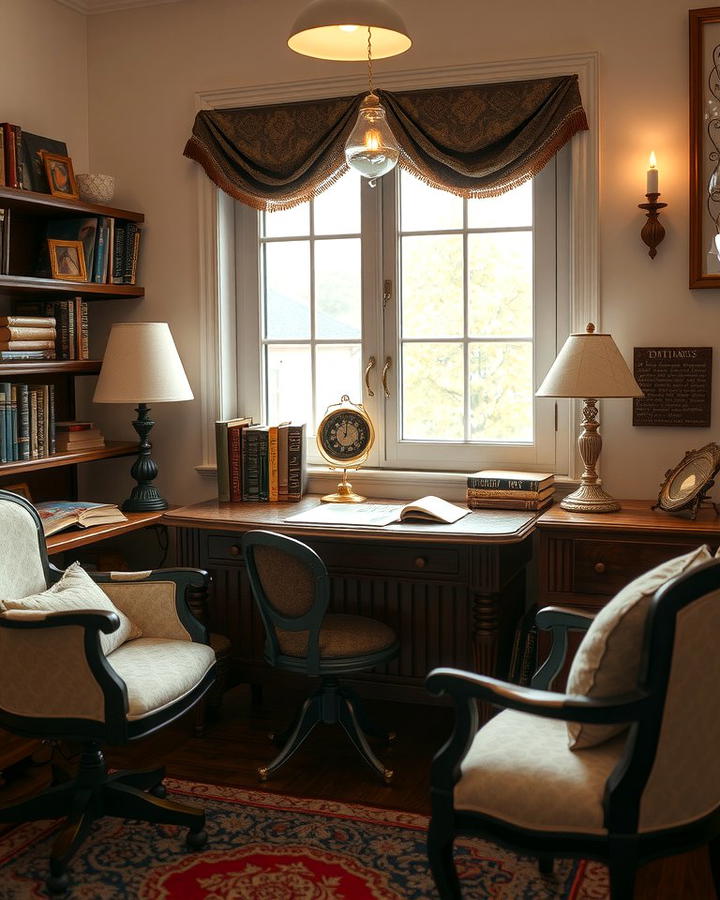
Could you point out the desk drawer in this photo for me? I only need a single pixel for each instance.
(604, 567)
(349, 555)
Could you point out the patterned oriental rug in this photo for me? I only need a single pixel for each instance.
(271, 847)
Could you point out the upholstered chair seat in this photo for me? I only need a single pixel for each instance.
(96, 660)
(291, 587)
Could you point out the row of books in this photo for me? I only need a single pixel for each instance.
(111, 247)
(500, 489)
(20, 335)
(260, 462)
(27, 421)
(21, 160)
(71, 327)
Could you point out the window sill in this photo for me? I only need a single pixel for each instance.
(398, 485)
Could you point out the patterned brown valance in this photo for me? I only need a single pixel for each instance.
(475, 141)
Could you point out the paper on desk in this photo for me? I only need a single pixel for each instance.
(369, 514)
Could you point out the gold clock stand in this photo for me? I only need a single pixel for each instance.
(344, 493)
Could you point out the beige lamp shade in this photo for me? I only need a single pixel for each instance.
(141, 365)
(589, 366)
(337, 29)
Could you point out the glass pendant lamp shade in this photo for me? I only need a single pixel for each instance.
(337, 29)
(371, 148)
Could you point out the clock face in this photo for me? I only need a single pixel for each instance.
(344, 435)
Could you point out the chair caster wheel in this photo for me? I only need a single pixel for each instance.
(388, 775)
(57, 884)
(159, 791)
(263, 773)
(196, 840)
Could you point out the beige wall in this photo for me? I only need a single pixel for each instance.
(43, 73)
(146, 64)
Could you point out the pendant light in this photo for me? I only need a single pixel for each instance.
(354, 30)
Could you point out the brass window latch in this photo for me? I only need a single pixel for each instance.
(387, 292)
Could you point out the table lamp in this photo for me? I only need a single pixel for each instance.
(589, 367)
(141, 365)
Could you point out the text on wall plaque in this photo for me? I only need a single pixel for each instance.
(677, 383)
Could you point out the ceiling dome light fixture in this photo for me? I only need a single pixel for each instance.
(336, 29)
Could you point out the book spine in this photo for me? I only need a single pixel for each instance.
(10, 155)
(51, 419)
(33, 424)
(221, 452)
(109, 241)
(100, 251)
(118, 253)
(71, 329)
(296, 462)
(77, 310)
(135, 257)
(19, 156)
(283, 462)
(504, 484)
(130, 230)
(5, 248)
(250, 464)
(234, 438)
(489, 494)
(263, 465)
(527, 505)
(63, 329)
(23, 422)
(14, 422)
(41, 437)
(27, 345)
(3, 181)
(23, 333)
(3, 425)
(28, 322)
(84, 331)
(273, 489)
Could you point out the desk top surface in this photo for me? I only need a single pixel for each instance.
(635, 515)
(486, 526)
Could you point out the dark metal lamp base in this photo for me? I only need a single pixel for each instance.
(145, 497)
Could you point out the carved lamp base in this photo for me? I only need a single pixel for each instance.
(590, 497)
(145, 497)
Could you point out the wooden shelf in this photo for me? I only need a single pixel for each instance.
(50, 367)
(46, 205)
(80, 537)
(111, 449)
(12, 285)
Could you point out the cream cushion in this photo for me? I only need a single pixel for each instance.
(607, 662)
(520, 769)
(157, 672)
(77, 592)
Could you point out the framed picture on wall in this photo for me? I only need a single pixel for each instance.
(705, 147)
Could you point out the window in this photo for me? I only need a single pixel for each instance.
(459, 302)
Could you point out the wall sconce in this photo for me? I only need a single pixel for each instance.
(652, 231)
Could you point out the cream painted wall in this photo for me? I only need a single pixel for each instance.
(146, 64)
(43, 87)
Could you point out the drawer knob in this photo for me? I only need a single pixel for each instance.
(235, 550)
(420, 562)
(600, 568)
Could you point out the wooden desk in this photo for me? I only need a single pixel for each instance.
(453, 593)
(586, 558)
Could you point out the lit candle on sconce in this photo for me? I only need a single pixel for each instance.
(652, 176)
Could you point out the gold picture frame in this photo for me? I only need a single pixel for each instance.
(60, 176)
(67, 260)
(686, 484)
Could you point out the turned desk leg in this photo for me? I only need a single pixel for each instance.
(485, 636)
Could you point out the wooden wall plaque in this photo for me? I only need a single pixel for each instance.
(677, 383)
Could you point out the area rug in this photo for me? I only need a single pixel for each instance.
(265, 846)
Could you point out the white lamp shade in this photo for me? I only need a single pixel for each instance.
(337, 29)
(141, 365)
(589, 366)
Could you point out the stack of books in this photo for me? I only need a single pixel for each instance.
(111, 247)
(73, 436)
(71, 316)
(27, 421)
(27, 337)
(499, 489)
(264, 463)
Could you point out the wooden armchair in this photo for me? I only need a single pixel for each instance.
(59, 682)
(651, 790)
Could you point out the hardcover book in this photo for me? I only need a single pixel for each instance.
(508, 480)
(56, 515)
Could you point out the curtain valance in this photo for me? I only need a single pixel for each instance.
(475, 141)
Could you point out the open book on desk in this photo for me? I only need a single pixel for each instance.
(376, 515)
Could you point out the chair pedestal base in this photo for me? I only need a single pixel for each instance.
(331, 704)
(94, 793)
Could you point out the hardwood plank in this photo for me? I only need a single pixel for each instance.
(50, 367)
(110, 450)
(32, 202)
(71, 540)
(635, 515)
(12, 285)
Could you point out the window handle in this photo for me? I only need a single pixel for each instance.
(370, 365)
(386, 369)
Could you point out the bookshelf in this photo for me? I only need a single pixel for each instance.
(52, 477)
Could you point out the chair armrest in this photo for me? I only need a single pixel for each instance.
(466, 687)
(54, 670)
(164, 603)
(558, 620)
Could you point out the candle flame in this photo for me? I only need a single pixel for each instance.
(653, 160)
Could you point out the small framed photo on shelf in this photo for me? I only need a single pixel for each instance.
(67, 260)
(60, 176)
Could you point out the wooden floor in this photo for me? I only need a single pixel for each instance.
(328, 767)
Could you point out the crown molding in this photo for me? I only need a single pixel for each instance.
(95, 7)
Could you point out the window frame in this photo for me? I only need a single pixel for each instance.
(224, 354)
